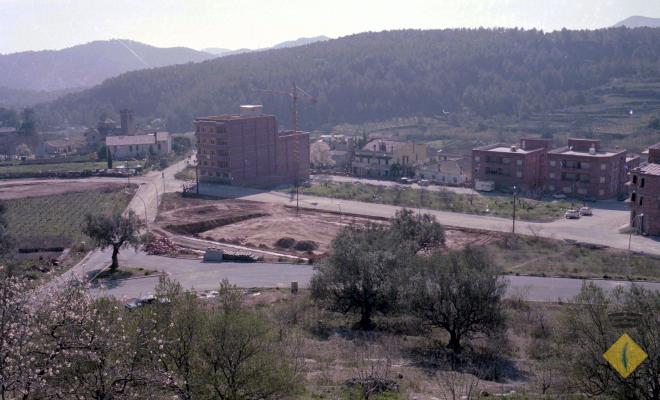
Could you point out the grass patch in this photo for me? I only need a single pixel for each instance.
(58, 219)
(58, 167)
(445, 200)
(125, 273)
(186, 174)
(548, 257)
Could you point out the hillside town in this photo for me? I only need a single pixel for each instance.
(456, 213)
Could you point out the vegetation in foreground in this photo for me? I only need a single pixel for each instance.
(55, 167)
(445, 200)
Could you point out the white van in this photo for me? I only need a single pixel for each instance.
(484, 186)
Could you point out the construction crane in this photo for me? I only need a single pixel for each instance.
(294, 94)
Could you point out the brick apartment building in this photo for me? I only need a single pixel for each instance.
(511, 165)
(248, 149)
(584, 169)
(645, 194)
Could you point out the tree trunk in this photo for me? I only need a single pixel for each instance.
(454, 342)
(365, 319)
(115, 261)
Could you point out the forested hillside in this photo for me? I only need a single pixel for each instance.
(375, 76)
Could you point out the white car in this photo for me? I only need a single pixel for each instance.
(424, 182)
(559, 196)
(586, 211)
(572, 214)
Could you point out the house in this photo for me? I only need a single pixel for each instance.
(8, 141)
(126, 147)
(509, 166)
(332, 151)
(60, 147)
(93, 139)
(584, 169)
(645, 194)
(382, 158)
(248, 149)
(446, 170)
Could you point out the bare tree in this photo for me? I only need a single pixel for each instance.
(458, 386)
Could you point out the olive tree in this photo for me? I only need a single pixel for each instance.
(115, 230)
(359, 276)
(460, 292)
(588, 328)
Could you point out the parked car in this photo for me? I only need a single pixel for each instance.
(424, 182)
(572, 214)
(559, 196)
(586, 211)
(405, 181)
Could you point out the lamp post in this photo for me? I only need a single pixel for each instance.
(638, 229)
(515, 196)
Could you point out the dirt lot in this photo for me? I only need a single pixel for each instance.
(261, 225)
(14, 190)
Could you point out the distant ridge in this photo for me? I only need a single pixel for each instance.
(637, 21)
(219, 51)
(87, 64)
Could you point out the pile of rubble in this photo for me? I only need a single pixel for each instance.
(162, 246)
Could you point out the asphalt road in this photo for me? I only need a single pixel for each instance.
(197, 275)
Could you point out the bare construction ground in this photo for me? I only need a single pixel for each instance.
(272, 226)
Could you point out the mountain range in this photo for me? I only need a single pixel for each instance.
(637, 21)
(87, 64)
(219, 51)
(373, 76)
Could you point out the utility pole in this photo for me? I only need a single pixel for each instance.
(197, 172)
(639, 228)
(515, 195)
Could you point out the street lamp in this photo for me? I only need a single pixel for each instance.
(638, 228)
(515, 196)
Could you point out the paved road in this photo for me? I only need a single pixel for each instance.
(194, 274)
(602, 228)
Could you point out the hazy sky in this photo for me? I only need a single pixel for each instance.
(55, 24)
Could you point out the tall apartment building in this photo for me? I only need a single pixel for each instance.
(645, 194)
(584, 169)
(511, 165)
(248, 149)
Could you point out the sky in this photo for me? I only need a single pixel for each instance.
(55, 24)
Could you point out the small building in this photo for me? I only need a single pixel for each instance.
(248, 149)
(93, 139)
(125, 147)
(8, 141)
(584, 169)
(60, 147)
(381, 158)
(645, 194)
(512, 165)
(446, 170)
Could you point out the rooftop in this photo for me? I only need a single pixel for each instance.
(649, 169)
(503, 148)
(566, 150)
(229, 117)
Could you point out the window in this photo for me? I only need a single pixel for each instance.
(633, 197)
(518, 174)
(551, 188)
(603, 167)
(641, 200)
(518, 162)
(584, 165)
(476, 158)
(553, 163)
(582, 191)
(552, 175)
(634, 179)
(221, 129)
(601, 192)
(641, 183)
(506, 160)
(130, 148)
(602, 179)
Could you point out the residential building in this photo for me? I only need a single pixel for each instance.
(645, 194)
(8, 141)
(382, 158)
(446, 170)
(509, 166)
(123, 147)
(248, 149)
(584, 169)
(60, 147)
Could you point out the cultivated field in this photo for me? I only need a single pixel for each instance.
(55, 216)
(58, 167)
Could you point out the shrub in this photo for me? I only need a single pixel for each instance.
(306, 245)
(285, 242)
